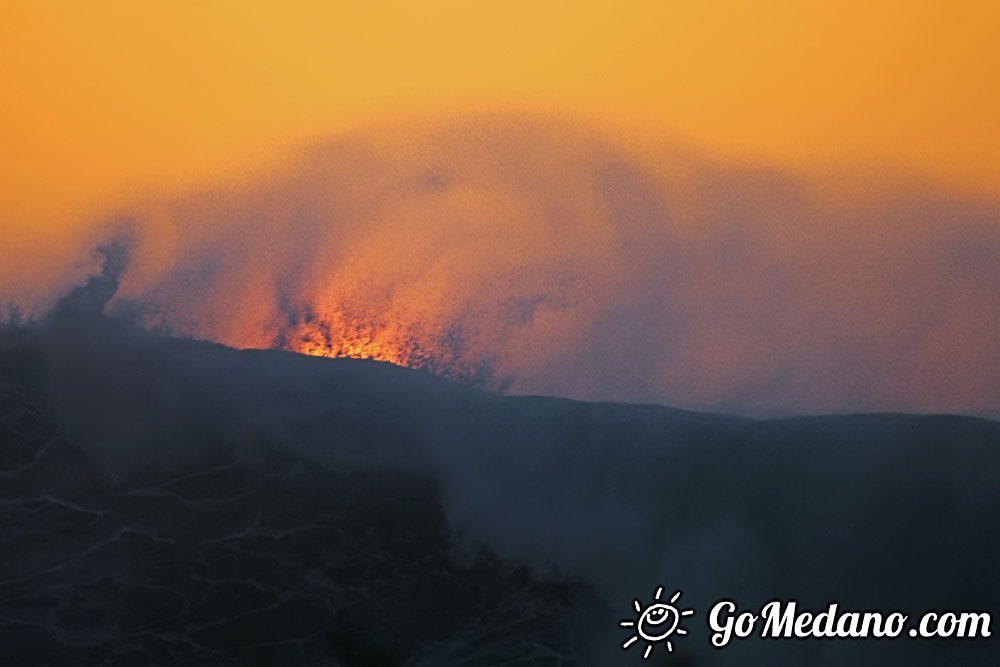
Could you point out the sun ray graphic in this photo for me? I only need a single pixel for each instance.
(655, 623)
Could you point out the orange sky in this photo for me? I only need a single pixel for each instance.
(100, 98)
(639, 122)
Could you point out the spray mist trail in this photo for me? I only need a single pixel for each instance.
(538, 257)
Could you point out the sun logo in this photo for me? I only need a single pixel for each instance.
(656, 623)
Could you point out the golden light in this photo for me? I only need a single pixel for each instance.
(732, 130)
(331, 335)
(100, 99)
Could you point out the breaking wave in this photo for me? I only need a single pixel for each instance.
(186, 481)
(355, 512)
(538, 257)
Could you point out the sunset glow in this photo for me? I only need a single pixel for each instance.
(103, 98)
(687, 193)
(433, 332)
(329, 342)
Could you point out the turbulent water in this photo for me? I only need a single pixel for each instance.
(168, 501)
(542, 257)
(172, 502)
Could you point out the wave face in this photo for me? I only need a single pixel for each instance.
(538, 257)
(172, 496)
(177, 502)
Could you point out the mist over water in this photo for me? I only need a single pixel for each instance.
(355, 497)
(535, 256)
(354, 507)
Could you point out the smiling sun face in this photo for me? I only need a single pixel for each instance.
(656, 622)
